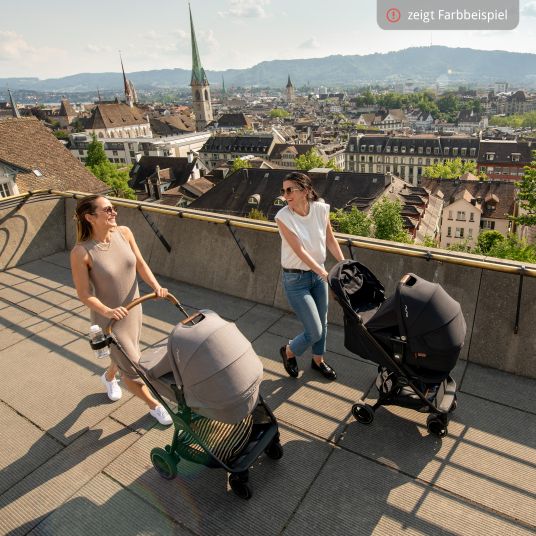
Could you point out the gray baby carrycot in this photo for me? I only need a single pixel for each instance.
(211, 370)
(216, 367)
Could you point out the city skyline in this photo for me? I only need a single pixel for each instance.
(90, 40)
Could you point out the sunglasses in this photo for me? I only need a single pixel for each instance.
(108, 210)
(288, 191)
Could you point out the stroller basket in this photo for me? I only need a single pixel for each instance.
(233, 446)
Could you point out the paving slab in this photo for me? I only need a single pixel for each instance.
(102, 506)
(355, 496)
(23, 448)
(498, 386)
(26, 503)
(64, 410)
(200, 499)
(489, 456)
(311, 402)
(59, 259)
(257, 320)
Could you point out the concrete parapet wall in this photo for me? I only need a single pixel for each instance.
(206, 254)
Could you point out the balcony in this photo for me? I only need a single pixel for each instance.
(72, 462)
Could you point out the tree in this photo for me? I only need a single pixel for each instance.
(117, 179)
(279, 113)
(513, 248)
(240, 163)
(487, 241)
(527, 195)
(95, 153)
(353, 222)
(452, 169)
(311, 159)
(387, 221)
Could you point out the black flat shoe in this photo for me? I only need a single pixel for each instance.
(324, 369)
(290, 363)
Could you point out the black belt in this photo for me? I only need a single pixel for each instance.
(295, 271)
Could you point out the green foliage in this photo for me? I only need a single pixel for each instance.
(463, 246)
(256, 214)
(311, 159)
(279, 113)
(240, 163)
(487, 241)
(429, 242)
(354, 222)
(527, 195)
(115, 177)
(61, 134)
(452, 169)
(513, 248)
(527, 120)
(95, 153)
(387, 221)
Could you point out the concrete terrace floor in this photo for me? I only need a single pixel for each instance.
(73, 463)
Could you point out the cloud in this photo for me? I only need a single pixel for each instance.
(248, 9)
(98, 49)
(529, 9)
(310, 44)
(13, 47)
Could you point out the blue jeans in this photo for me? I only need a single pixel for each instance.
(307, 294)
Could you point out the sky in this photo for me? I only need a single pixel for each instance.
(56, 38)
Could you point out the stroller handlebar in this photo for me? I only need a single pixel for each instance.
(141, 299)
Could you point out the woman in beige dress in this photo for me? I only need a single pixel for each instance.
(104, 265)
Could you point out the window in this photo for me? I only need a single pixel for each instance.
(411, 150)
(455, 151)
(388, 149)
(395, 159)
(515, 157)
(486, 224)
(470, 233)
(472, 151)
(395, 149)
(362, 158)
(387, 169)
(363, 148)
(471, 216)
(378, 148)
(436, 150)
(114, 153)
(378, 159)
(411, 160)
(419, 150)
(446, 151)
(419, 161)
(490, 157)
(403, 149)
(459, 232)
(362, 168)
(450, 214)
(463, 151)
(460, 215)
(483, 169)
(371, 148)
(427, 162)
(4, 189)
(428, 150)
(449, 231)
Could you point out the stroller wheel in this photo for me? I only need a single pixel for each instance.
(164, 463)
(363, 413)
(274, 450)
(454, 405)
(239, 485)
(437, 425)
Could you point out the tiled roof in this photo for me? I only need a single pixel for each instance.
(115, 115)
(238, 144)
(28, 145)
(504, 149)
(179, 170)
(480, 191)
(339, 189)
(233, 120)
(299, 149)
(168, 125)
(66, 108)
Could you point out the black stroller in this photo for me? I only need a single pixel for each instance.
(247, 427)
(415, 337)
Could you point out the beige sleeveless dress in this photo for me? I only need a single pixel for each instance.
(113, 277)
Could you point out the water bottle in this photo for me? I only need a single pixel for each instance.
(97, 336)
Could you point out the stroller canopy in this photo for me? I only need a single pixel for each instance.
(216, 367)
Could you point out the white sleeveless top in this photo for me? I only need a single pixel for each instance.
(310, 229)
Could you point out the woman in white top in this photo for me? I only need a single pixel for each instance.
(306, 231)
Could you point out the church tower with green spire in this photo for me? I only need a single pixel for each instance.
(200, 86)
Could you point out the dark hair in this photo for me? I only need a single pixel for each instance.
(304, 182)
(86, 205)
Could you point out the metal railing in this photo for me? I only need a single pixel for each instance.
(429, 254)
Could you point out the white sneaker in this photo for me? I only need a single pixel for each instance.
(112, 388)
(161, 415)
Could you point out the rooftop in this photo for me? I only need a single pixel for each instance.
(74, 463)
